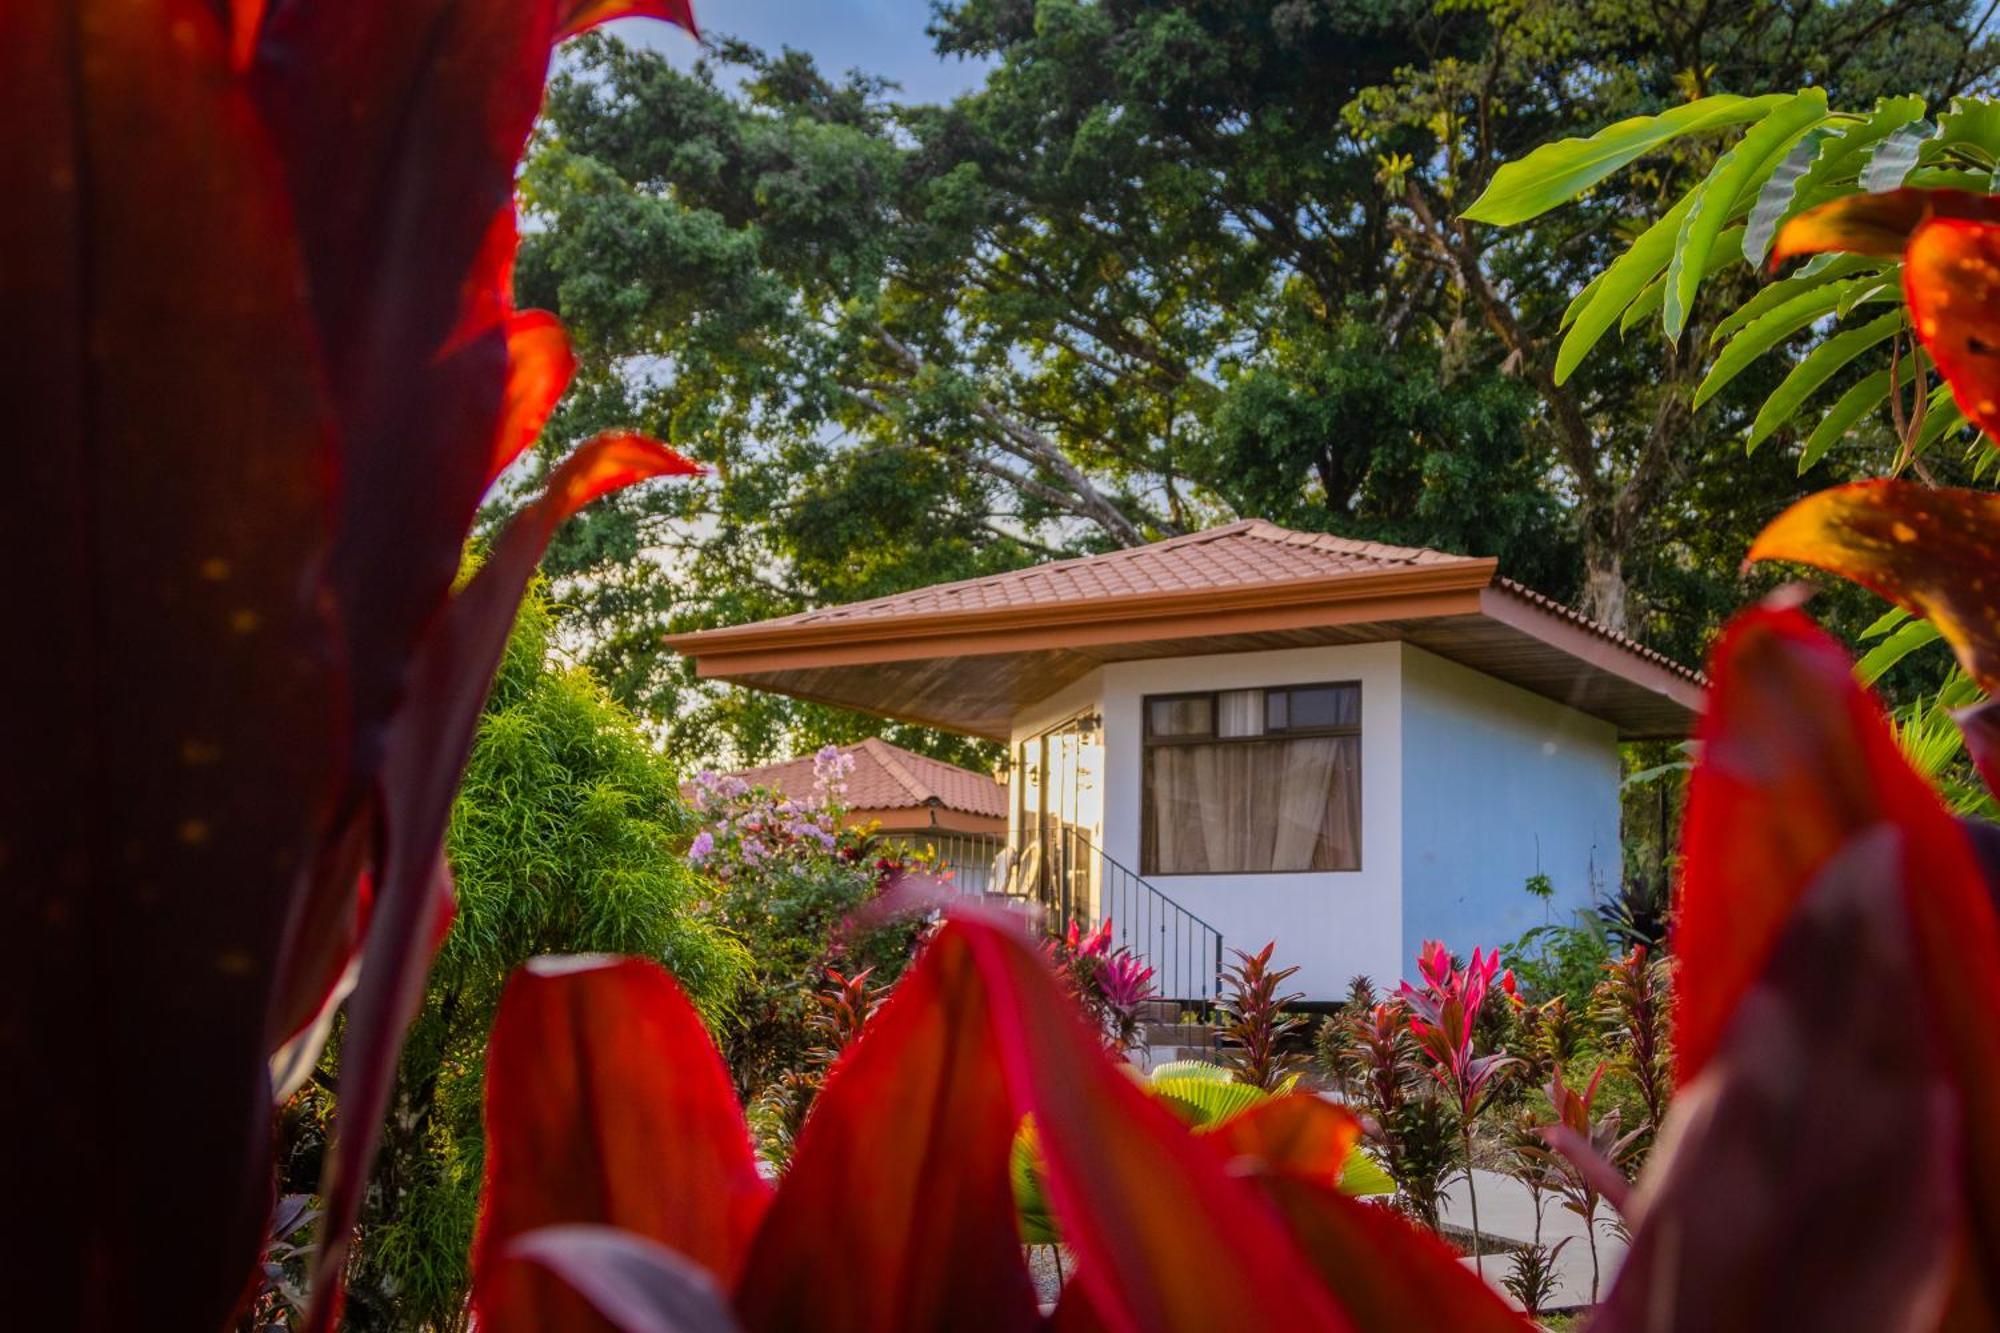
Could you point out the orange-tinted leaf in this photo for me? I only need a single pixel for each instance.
(580, 15)
(1298, 1135)
(1753, 1213)
(904, 1159)
(169, 484)
(1387, 1275)
(606, 1104)
(1931, 550)
(1875, 224)
(539, 364)
(1951, 280)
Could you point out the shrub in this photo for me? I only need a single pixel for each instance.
(565, 838)
(1255, 1022)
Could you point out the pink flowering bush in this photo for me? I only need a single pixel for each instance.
(789, 880)
(745, 827)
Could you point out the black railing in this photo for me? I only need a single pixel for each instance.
(1076, 881)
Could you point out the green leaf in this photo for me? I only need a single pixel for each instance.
(1815, 272)
(1818, 367)
(1618, 286)
(1581, 299)
(1557, 172)
(1031, 1200)
(1201, 1069)
(1849, 408)
(1771, 328)
(1841, 158)
(1202, 1101)
(1894, 649)
(1648, 301)
(1969, 130)
(1774, 200)
(1361, 1175)
(1882, 624)
(1894, 156)
(1715, 199)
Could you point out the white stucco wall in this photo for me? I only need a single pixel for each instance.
(1465, 781)
(1332, 924)
(1496, 782)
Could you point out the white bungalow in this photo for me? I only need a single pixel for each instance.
(1251, 734)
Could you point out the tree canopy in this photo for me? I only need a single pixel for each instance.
(1169, 266)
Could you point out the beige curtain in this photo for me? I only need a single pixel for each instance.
(1223, 808)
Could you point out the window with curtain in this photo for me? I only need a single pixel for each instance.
(1253, 781)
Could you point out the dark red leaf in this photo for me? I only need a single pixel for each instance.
(1165, 1238)
(638, 1285)
(606, 1104)
(1795, 759)
(1980, 725)
(579, 15)
(1931, 550)
(904, 1159)
(1387, 1275)
(172, 676)
(1764, 1205)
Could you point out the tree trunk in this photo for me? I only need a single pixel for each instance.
(1604, 584)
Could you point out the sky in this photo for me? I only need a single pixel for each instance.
(884, 37)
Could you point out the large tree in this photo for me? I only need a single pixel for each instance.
(1169, 266)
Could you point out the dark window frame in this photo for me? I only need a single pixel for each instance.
(1148, 741)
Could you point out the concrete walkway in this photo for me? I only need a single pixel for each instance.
(1506, 1210)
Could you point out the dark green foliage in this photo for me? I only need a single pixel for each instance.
(1565, 960)
(789, 915)
(565, 839)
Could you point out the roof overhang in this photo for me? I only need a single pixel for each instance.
(973, 671)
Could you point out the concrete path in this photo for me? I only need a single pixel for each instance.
(1506, 1209)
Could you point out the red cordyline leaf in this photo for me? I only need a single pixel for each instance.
(179, 695)
(269, 373)
(904, 1161)
(606, 1103)
(1753, 1213)
(1797, 761)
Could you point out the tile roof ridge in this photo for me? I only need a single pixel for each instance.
(888, 757)
(1625, 641)
(1266, 530)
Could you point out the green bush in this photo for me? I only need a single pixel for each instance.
(566, 838)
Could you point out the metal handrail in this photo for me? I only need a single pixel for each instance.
(1184, 951)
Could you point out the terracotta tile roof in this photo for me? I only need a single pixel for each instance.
(1247, 554)
(888, 777)
(1576, 617)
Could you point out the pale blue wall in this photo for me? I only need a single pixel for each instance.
(1491, 775)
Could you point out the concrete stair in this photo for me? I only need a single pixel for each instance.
(1163, 1036)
